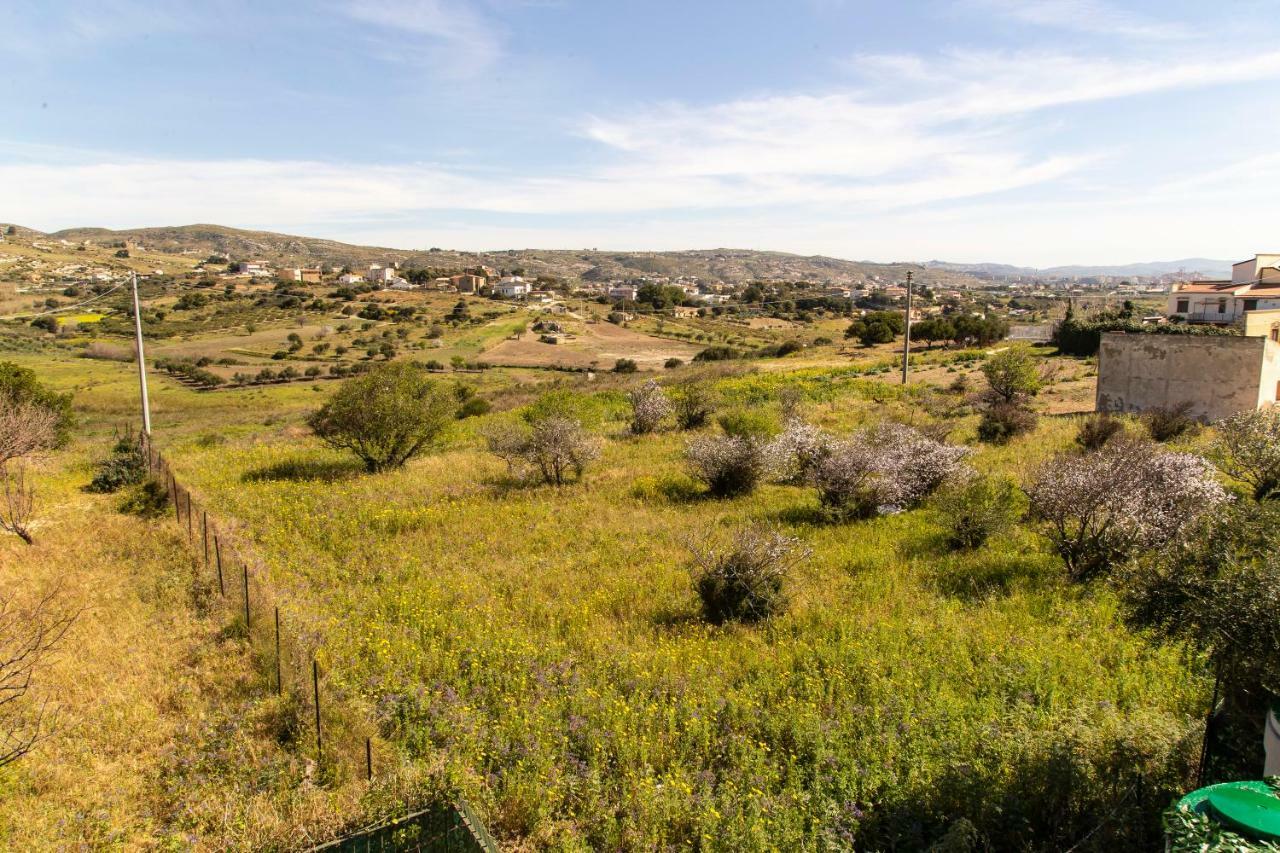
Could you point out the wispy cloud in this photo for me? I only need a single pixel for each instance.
(1089, 16)
(453, 34)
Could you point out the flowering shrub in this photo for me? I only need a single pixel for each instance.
(799, 448)
(888, 467)
(1248, 448)
(649, 406)
(554, 447)
(729, 464)
(1100, 509)
(745, 582)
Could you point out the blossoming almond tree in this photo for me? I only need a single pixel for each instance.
(1100, 509)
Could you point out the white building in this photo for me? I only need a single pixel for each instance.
(255, 268)
(1254, 286)
(625, 292)
(511, 287)
(351, 278)
(379, 274)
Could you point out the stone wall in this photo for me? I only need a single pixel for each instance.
(1216, 375)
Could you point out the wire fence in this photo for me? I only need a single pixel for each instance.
(285, 647)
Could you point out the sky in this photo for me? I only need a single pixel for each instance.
(1036, 133)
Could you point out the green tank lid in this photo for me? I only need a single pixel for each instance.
(1249, 811)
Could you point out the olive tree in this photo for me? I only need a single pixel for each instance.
(1248, 448)
(386, 416)
(1100, 509)
(1012, 376)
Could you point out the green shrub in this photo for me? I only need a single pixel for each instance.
(1097, 430)
(20, 385)
(474, 407)
(729, 465)
(1003, 421)
(745, 582)
(976, 509)
(717, 353)
(1165, 423)
(126, 466)
(672, 363)
(386, 416)
(624, 365)
(749, 423)
(694, 403)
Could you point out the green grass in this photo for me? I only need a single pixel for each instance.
(540, 651)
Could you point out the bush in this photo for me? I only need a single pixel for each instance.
(386, 416)
(672, 363)
(729, 465)
(975, 509)
(126, 466)
(624, 365)
(1097, 430)
(1012, 376)
(886, 468)
(555, 447)
(694, 402)
(746, 582)
(1166, 423)
(1100, 509)
(21, 387)
(150, 499)
(1003, 421)
(798, 450)
(749, 423)
(1248, 448)
(474, 407)
(649, 406)
(717, 353)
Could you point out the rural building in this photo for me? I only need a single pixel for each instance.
(511, 287)
(379, 274)
(468, 283)
(1254, 285)
(625, 292)
(1214, 375)
(307, 274)
(351, 278)
(255, 268)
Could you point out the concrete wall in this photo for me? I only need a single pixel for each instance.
(1217, 375)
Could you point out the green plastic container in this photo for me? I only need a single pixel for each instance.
(1249, 808)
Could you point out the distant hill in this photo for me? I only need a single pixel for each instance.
(1191, 267)
(726, 265)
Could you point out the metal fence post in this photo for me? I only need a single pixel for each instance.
(279, 680)
(204, 535)
(247, 626)
(315, 684)
(217, 552)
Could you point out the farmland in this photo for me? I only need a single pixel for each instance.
(539, 650)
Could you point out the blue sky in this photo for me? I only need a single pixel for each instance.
(1063, 131)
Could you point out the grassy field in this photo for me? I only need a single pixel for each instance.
(540, 650)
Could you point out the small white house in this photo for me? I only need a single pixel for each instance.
(350, 278)
(511, 287)
(1254, 286)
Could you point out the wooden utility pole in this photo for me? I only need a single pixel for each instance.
(906, 332)
(142, 361)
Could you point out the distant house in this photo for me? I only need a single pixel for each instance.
(1254, 285)
(307, 274)
(379, 274)
(624, 292)
(255, 268)
(351, 278)
(683, 311)
(511, 287)
(467, 283)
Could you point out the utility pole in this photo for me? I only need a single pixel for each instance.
(142, 361)
(906, 332)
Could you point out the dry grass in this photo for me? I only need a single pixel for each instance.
(165, 736)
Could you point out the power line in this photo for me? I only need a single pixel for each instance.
(103, 295)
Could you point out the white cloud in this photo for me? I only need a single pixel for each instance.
(467, 42)
(1090, 16)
